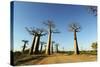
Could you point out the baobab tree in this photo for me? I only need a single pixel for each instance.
(24, 46)
(36, 40)
(63, 49)
(56, 46)
(51, 27)
(45, 48)
(52, 46)
(42, 43)
(33, 32)
(40, 32)
(74, 27)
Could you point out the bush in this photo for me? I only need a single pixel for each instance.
(91, 52)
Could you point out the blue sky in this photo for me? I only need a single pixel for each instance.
(27, 14)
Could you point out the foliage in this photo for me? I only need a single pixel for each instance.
(92, 10)
(94, 46)
(74, 27)
(90, 52)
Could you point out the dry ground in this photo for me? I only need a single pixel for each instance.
(61, 58)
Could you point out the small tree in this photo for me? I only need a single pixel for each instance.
(56, 46)
(63, 49)
(52, 46)
(94, 45)
(24, 46)
(42, 43)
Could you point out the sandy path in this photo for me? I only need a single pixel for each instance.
(62, 58)
(59, 58)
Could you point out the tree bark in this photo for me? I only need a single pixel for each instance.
(49, 43)
(41, 48)
(76, 44)
(52, 47)
(36, 47)
(24, 47)
(32, 47)
(45, 48)
(56, 48)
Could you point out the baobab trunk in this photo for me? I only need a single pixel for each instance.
(49, 43)
(76, 44)
(36, 47)
(32, 47)
(24, 47)
(52, 47)
(56, 48)
(41, 48)
(45, 48)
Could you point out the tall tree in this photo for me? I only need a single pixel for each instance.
(36, 40)
(24, 46)
(51, 28)
(33, 32)
(40, 32)
(75, 27)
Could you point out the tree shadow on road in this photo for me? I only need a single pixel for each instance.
(24, 60)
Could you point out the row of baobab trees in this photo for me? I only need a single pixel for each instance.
(41, 50)
(37, 33)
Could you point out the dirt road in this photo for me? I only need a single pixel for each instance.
(62, 58)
